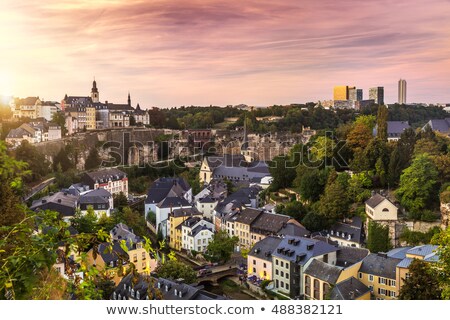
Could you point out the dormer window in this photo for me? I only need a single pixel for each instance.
(385, 210)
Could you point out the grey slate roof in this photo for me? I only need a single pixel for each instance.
(353, 229)
(164, 187)
(185, 212)
(292, 229)
(247, 216)
(349, 289)
(173, 202)
(122, 232)
(395, 128)
(270, 223)
(113, 255)
(299, 250)
(323, 271)
(263, 249)
(379, 265)
(347, 256)
(441, 125)
(375, 200)
(103, 176)
(170, 290)
(61, 202)
(18, 133)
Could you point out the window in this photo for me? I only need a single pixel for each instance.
(281, 263)
(277, 283)
(282, 284)
(143, 255)
(371, 288)
(325, 290)
(287, 286)
(135, 258)
(276, 261)
(392, 283)
(308, 285)
(382, 291)
(316, 289)
(282, 273)
(360, 275)
(370, 278)
(265, 273)
(276, 271)
(254, 261)
(254, 270)
(287, 275)
(264, 265)
(392, 294)
(382, 280)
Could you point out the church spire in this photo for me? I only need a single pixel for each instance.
(94, 92)
(129, 99)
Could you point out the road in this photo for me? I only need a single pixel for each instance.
(39, 188)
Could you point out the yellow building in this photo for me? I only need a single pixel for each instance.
(176, 219)
(424, 252)
(113, 258)
(242, 224)
(90, 118)
(379, 273)
(340, 93)
(320, 277)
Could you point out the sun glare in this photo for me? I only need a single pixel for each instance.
(6, 84)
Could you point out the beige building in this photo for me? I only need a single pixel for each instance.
(174, 228)
(379, 208)
(379, 273)
(259, 258)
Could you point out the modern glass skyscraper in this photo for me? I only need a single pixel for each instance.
(377, 94)
(401, 91)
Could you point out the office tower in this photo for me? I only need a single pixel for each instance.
(401, 91)
(359, 94)
(377, 94)
(352, 93)
(340, 93)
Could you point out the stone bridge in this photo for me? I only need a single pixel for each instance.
(216, 275)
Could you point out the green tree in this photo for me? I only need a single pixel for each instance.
(422, 283)
(174, 270)
(442, 240)
(62, 159)
(37, 163)
(85, 223)
(222, 246)
(359, 136)
(93, 159)
(120, 201)
(311, 182)
(359, 187)
(418, 185)
(382, 118)
(282, 171)
(294, 209)
(334, 204)
(401, 155)
(378, 237)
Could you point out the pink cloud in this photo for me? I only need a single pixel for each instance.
(178, 52)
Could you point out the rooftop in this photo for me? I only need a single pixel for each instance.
(350, 289)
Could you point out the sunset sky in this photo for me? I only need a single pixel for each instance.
(202, 52)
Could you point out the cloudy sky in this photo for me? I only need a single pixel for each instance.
(201, 52)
